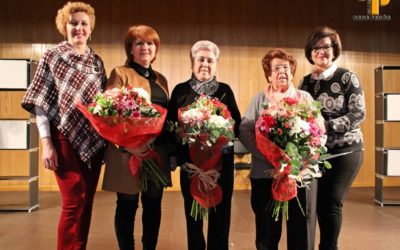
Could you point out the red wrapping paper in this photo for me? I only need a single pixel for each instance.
(129, 132)
(206, 158)
(283, 187)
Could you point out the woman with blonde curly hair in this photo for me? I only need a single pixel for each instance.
(71, 148)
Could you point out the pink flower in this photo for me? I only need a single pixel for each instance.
(315, 141)
(124, 102)
(116, 93)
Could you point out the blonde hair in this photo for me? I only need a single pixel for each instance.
(73, 7)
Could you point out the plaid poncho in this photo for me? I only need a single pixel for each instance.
(62, 77)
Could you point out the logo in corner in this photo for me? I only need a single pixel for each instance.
(373, 11)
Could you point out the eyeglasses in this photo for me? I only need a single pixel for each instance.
(277, 68)
(325, 48)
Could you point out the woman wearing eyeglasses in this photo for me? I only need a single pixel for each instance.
(279, 68)
(343, 108)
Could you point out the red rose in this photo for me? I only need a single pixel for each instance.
(290, 101)
(269, 121)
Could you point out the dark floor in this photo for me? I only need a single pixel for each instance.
(365, 225)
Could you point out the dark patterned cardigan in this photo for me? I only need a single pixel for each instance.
(62, 77)
(343, 107)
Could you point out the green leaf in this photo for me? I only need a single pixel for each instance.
(296, 163)
(215, 133)
(323, 150)
(324, 156)
(313, 162)
(327, 165)
(294, 171)
(291, 149)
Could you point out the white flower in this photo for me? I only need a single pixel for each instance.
(298, 178)
(299, 125)
(219, 121)
(311, 172)
(143, 93)
(97, 109)
(192, 116)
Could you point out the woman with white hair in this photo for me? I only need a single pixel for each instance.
(204, 56)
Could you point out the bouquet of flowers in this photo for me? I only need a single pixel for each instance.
(127, 118)
(208, 128)
(291, 136)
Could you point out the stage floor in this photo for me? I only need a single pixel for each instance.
(365, 224)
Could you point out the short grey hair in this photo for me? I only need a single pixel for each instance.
(204, 45)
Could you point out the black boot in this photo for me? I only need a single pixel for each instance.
(124, 223)
(151, 217)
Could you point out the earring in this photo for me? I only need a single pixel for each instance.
(90, 38)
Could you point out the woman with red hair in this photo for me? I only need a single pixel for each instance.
(279, 67)
(141, 46)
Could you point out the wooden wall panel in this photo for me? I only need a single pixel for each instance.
(11, 105)
(391, 80)
(244, 30)
(11, 160)
(14, 162)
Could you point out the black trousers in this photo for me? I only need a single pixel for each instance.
(125, 212)
(332, 190)
(218, 218)
(300, 227)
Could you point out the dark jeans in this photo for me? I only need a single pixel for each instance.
(218, 219)
(332, 190)
(125, 212)
(300, 228)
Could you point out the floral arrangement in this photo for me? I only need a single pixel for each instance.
(291, 135)
(208, 128)
(207, 116)
(124, 102)
(126, 117)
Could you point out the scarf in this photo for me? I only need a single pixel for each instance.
(62, 77)
(275, 96)
(207, 87)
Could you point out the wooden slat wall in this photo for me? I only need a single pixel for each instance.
(245, 31)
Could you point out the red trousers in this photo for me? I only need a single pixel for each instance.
(77, 185)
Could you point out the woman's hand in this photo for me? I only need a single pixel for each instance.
(141, 151)
(49, 154)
